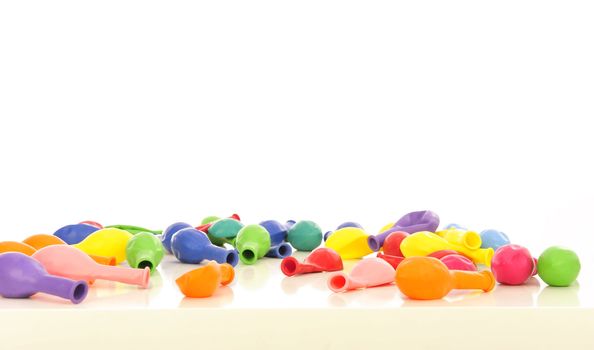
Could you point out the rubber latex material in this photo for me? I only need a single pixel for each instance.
(280, 251)
(106, 242)
(169, 232)
(349, 243)
(469, 239)
(319, 260)
(493, 239)
(135, 229)
(391, 259)
(367, 273)
(512, 264)
(225, 228)
(425, 243)
(22, 276)
(305, 235)
(252, 242)
(205, 227)
(43, 240)
(191, 246)
(204, 281)
(417, 221)
(392, 243)
(12, 246)
(73, 234)
(558, 266)
(428, 278)
(69, 262)
(144, 250)
(276, 230)
(92, 223)
(343, 225)
(458, 262)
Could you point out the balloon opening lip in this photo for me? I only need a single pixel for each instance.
(145, 263)
(472, 240)
(491, 278)
(146, 275)
(79, 292)
(338, 283)
(373, 243)
(232, 258)
(284, 250)
(248, 256)
(289, 266)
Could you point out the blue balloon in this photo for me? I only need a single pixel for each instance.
(277, 231)
(493, 239)
(280, 251)
(169, 232)
(72, 234)
(343, 225)
(191, 246)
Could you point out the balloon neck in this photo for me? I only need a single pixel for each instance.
(75, 291)
(483, 280)
(280, 251)
(341, 282)
(249, 253)
(146, 259)
(125, 275)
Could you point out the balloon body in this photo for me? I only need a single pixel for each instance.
(512, 264)
(225, 228)
(367, 273)
(343, 225)
(73, 234)
(558, 266)
(106, 242)
(204, 281)
(68, 261)
(252, 242)
(349, 243)
(169, 232)
(144, 250)
(392, 243)
(469, 239)
(42, 240)
(417, 221)
(305, 235)
(191, 246)
(12, 246)
(426, 278)
(391, 259)
(319, 260)
(493, 239)
(458, 262)
(22, 276)
(277, 231)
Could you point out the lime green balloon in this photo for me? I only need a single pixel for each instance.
(558, 266)
(252, 242)
(144, 249)
(305, 235)
(209, 219)
(135, 229)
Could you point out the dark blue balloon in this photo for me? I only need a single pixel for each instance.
(277, 231)
(280, 251)
(73, 234)
(191, 246)
(169, 232)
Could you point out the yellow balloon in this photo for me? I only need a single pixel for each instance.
(424, 243)
(106, 242)
(349, 243)
(469, 239)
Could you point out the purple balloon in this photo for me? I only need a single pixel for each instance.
(416, 221)
(21, 276)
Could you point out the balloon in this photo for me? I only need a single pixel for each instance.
(349, 243)
(144, 250)
(367, 273)
(106, 242)
(252, 242)
(191, 246)
(319, 260)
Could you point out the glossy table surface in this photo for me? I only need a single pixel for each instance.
(262, 289)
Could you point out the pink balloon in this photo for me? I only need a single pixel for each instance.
(370, 272)
(458, 262)
(512, 264)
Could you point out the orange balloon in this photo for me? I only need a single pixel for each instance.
(11, 246)
(204, 281)
(43, 240)
(427, 278)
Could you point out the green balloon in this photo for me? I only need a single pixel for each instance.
(209, 219)
(305, 235)
(135, 229)
(225, 228)
(558, 266)
(144, 249)
(252, 242)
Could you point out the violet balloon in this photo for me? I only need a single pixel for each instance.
(21, 276)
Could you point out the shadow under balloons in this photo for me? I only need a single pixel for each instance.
(223, 296)
(560, 296)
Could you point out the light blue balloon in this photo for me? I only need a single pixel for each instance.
(493, 239)
(456, 226)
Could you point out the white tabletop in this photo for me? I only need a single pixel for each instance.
(261, 289)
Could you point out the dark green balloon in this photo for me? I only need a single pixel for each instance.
(305, 235)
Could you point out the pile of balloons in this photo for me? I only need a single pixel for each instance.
(423, 261)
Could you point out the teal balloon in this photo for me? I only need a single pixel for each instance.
(305, 235)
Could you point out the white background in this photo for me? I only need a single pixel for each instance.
(146, 113)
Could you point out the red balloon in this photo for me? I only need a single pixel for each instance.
(392, 243)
